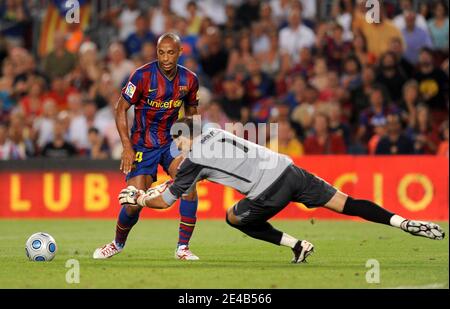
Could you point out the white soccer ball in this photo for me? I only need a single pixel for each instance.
(41, 247)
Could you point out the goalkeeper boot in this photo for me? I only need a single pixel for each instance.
(107, 251)
(183, 253)
(425, 229)
(302, 250)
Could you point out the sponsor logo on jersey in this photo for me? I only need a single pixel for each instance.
(165, 104)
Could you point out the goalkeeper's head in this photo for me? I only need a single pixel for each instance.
(184, 130)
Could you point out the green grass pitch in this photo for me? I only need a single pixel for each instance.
(229, 259)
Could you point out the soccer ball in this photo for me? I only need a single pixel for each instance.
(41, 247)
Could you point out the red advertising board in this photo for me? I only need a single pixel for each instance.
(413, 186)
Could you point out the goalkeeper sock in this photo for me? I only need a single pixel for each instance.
(370, 211)
(188, 212)
(288, 241)
(124, 225)
(262, 231)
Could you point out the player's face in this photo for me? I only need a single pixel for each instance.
(168, 53)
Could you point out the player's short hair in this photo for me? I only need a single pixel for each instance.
(172, 36)
(186, 127)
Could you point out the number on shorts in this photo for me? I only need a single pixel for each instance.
(138, 156)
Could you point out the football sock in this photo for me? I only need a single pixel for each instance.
(124, 225)
(288, 241)
(369, 211)
(188, 212)
(262, 231)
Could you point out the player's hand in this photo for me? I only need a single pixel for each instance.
(129, 196)
(128, 157)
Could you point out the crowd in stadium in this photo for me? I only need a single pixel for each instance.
(335, 85)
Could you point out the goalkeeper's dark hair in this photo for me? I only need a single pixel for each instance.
(187, 127)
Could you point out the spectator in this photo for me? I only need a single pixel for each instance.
(295, 36)
(377, 112)
(257, 84)
(337, 125)
(410, 100)
(415, 38)
(214, 115)
(360, 50)
(7, 101)
(266, 18)
(400, 21)
(98, 148)
(394, 142)
(390, 76)
(379, 35)
(260, 40)
(6, 146)
(213, 57)
(240, 55)
(22, 146)
(60, 91)
(59, 148)
(286, 141)
(397, 48)
(119, 66)
(334, 47)
(77, 133)
(248, 12)
(44, 126)
(135, 41)
(351, 77)
(32, 103)
(60, 61)
(422, 133)
(433, 82)
(360, 95)
(439, 26)
(193, 18)
(233, 102)
(232, 23)
(342, 13)
(379, 131)
(302, 116)
(125, 21)
(270, 59)
(443, 146)
(323, 141)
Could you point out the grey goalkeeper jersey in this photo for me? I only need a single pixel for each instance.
(224, 158)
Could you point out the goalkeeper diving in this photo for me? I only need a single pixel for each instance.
(269, 182)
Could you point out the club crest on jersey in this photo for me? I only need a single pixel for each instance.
(131, 89)
(183, 90)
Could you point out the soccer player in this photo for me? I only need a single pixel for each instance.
(157, 91)
(269, 180)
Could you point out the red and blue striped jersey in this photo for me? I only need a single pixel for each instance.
(157, 101)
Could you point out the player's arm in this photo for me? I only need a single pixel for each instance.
(190, 108)
(166, 195)
(130, 95)
(128, 154)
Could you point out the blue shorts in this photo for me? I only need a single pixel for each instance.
(147, 160)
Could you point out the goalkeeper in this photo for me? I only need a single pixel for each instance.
(268, 179)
